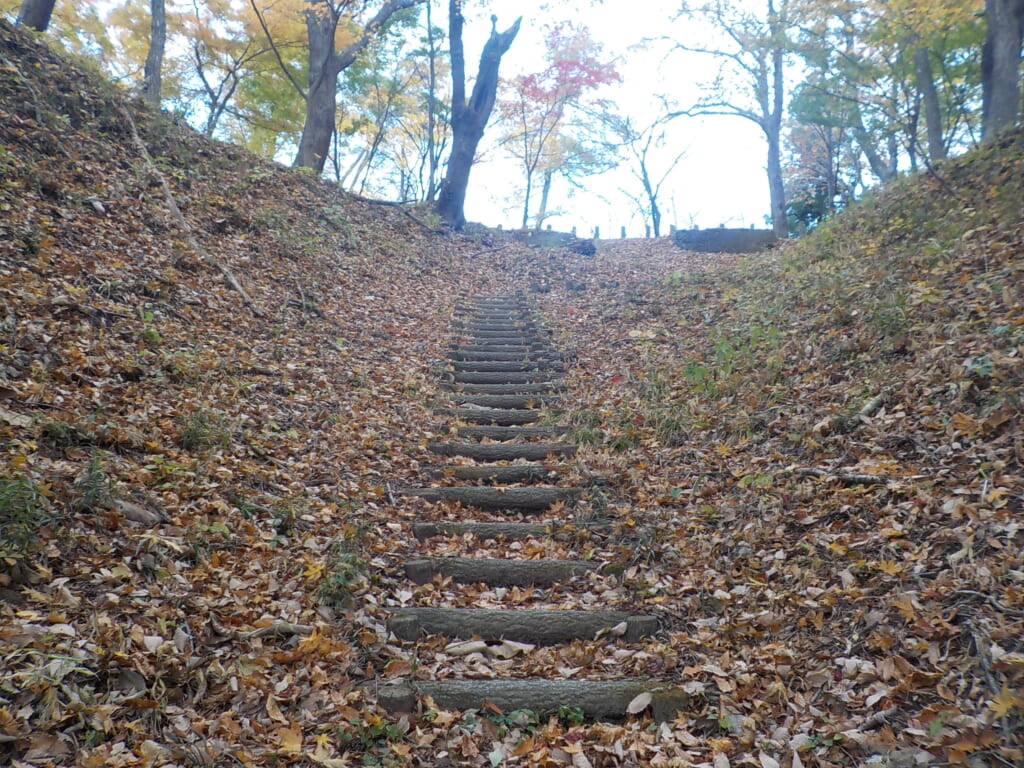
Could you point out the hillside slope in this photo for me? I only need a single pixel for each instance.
(814, 461)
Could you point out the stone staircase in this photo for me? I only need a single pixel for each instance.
(505, 376)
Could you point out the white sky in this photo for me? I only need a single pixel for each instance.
(721, 179)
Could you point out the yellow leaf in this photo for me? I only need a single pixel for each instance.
(314, 570)
(290, 740)
(274, 711)
(1006, 701)
(890, 567)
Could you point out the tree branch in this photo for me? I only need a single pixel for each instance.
(277, 54)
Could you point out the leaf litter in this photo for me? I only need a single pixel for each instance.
(812, 463)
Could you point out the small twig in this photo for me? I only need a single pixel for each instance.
(172, 205)
(391, 496)
(489, 250)
(981, 646)
(277, 629)
(872, 405)
(843, 477)
(878, 719)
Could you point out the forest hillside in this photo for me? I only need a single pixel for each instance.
(217, 373)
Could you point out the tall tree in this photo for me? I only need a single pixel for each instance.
(469, 118)
(1001, 64)
(535, 105)
(751, 81)
(155, 56)
(36, 14)
(324, 20)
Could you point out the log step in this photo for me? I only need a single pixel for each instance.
(556, 529)
(502, 451)
(545, 387)
(506, 339)
(599, 699)
(497, 324)
(505, 377)
(534, 352)
(504, 417)
(497, 366)
(511, 473)
(503, 333)
(506, 434)
(534, 498)
(537, 626)
(511, 357)
(501, 401)
(482, 531)
(496, 571)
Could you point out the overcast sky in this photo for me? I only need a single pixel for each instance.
(721, 179)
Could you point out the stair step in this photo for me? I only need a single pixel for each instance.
(497, 571)
(533, 498)
(505, 434)
(544, 387)
(512, 357)
(501, 401)
(504, 417)
(496, 324)
(536, 626)
(502, 451)
(497, 366)
(510, 473)
(598, 699)
(423, 531)
(505, 377)
(535, 333)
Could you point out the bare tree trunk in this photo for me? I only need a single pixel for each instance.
(469, 118)
(652, 196)
(527, 194)
(36, 14)
(932, 112)
(542, 211)
(1000, 65)
(152, 74)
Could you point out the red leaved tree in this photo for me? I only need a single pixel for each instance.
(535, 106)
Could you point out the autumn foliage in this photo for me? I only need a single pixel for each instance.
(813, 462)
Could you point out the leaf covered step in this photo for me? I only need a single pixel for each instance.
(502, 401)
(506, 377)
(500, 416)
(498, 572)
(534, 498)
(510, 473)
(510, 433)
(598, 699)
(482, 531)
(544, 387)
(538, 626)
(496, 366)
(502, 451)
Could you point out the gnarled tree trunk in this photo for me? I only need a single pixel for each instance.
(469, 118)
